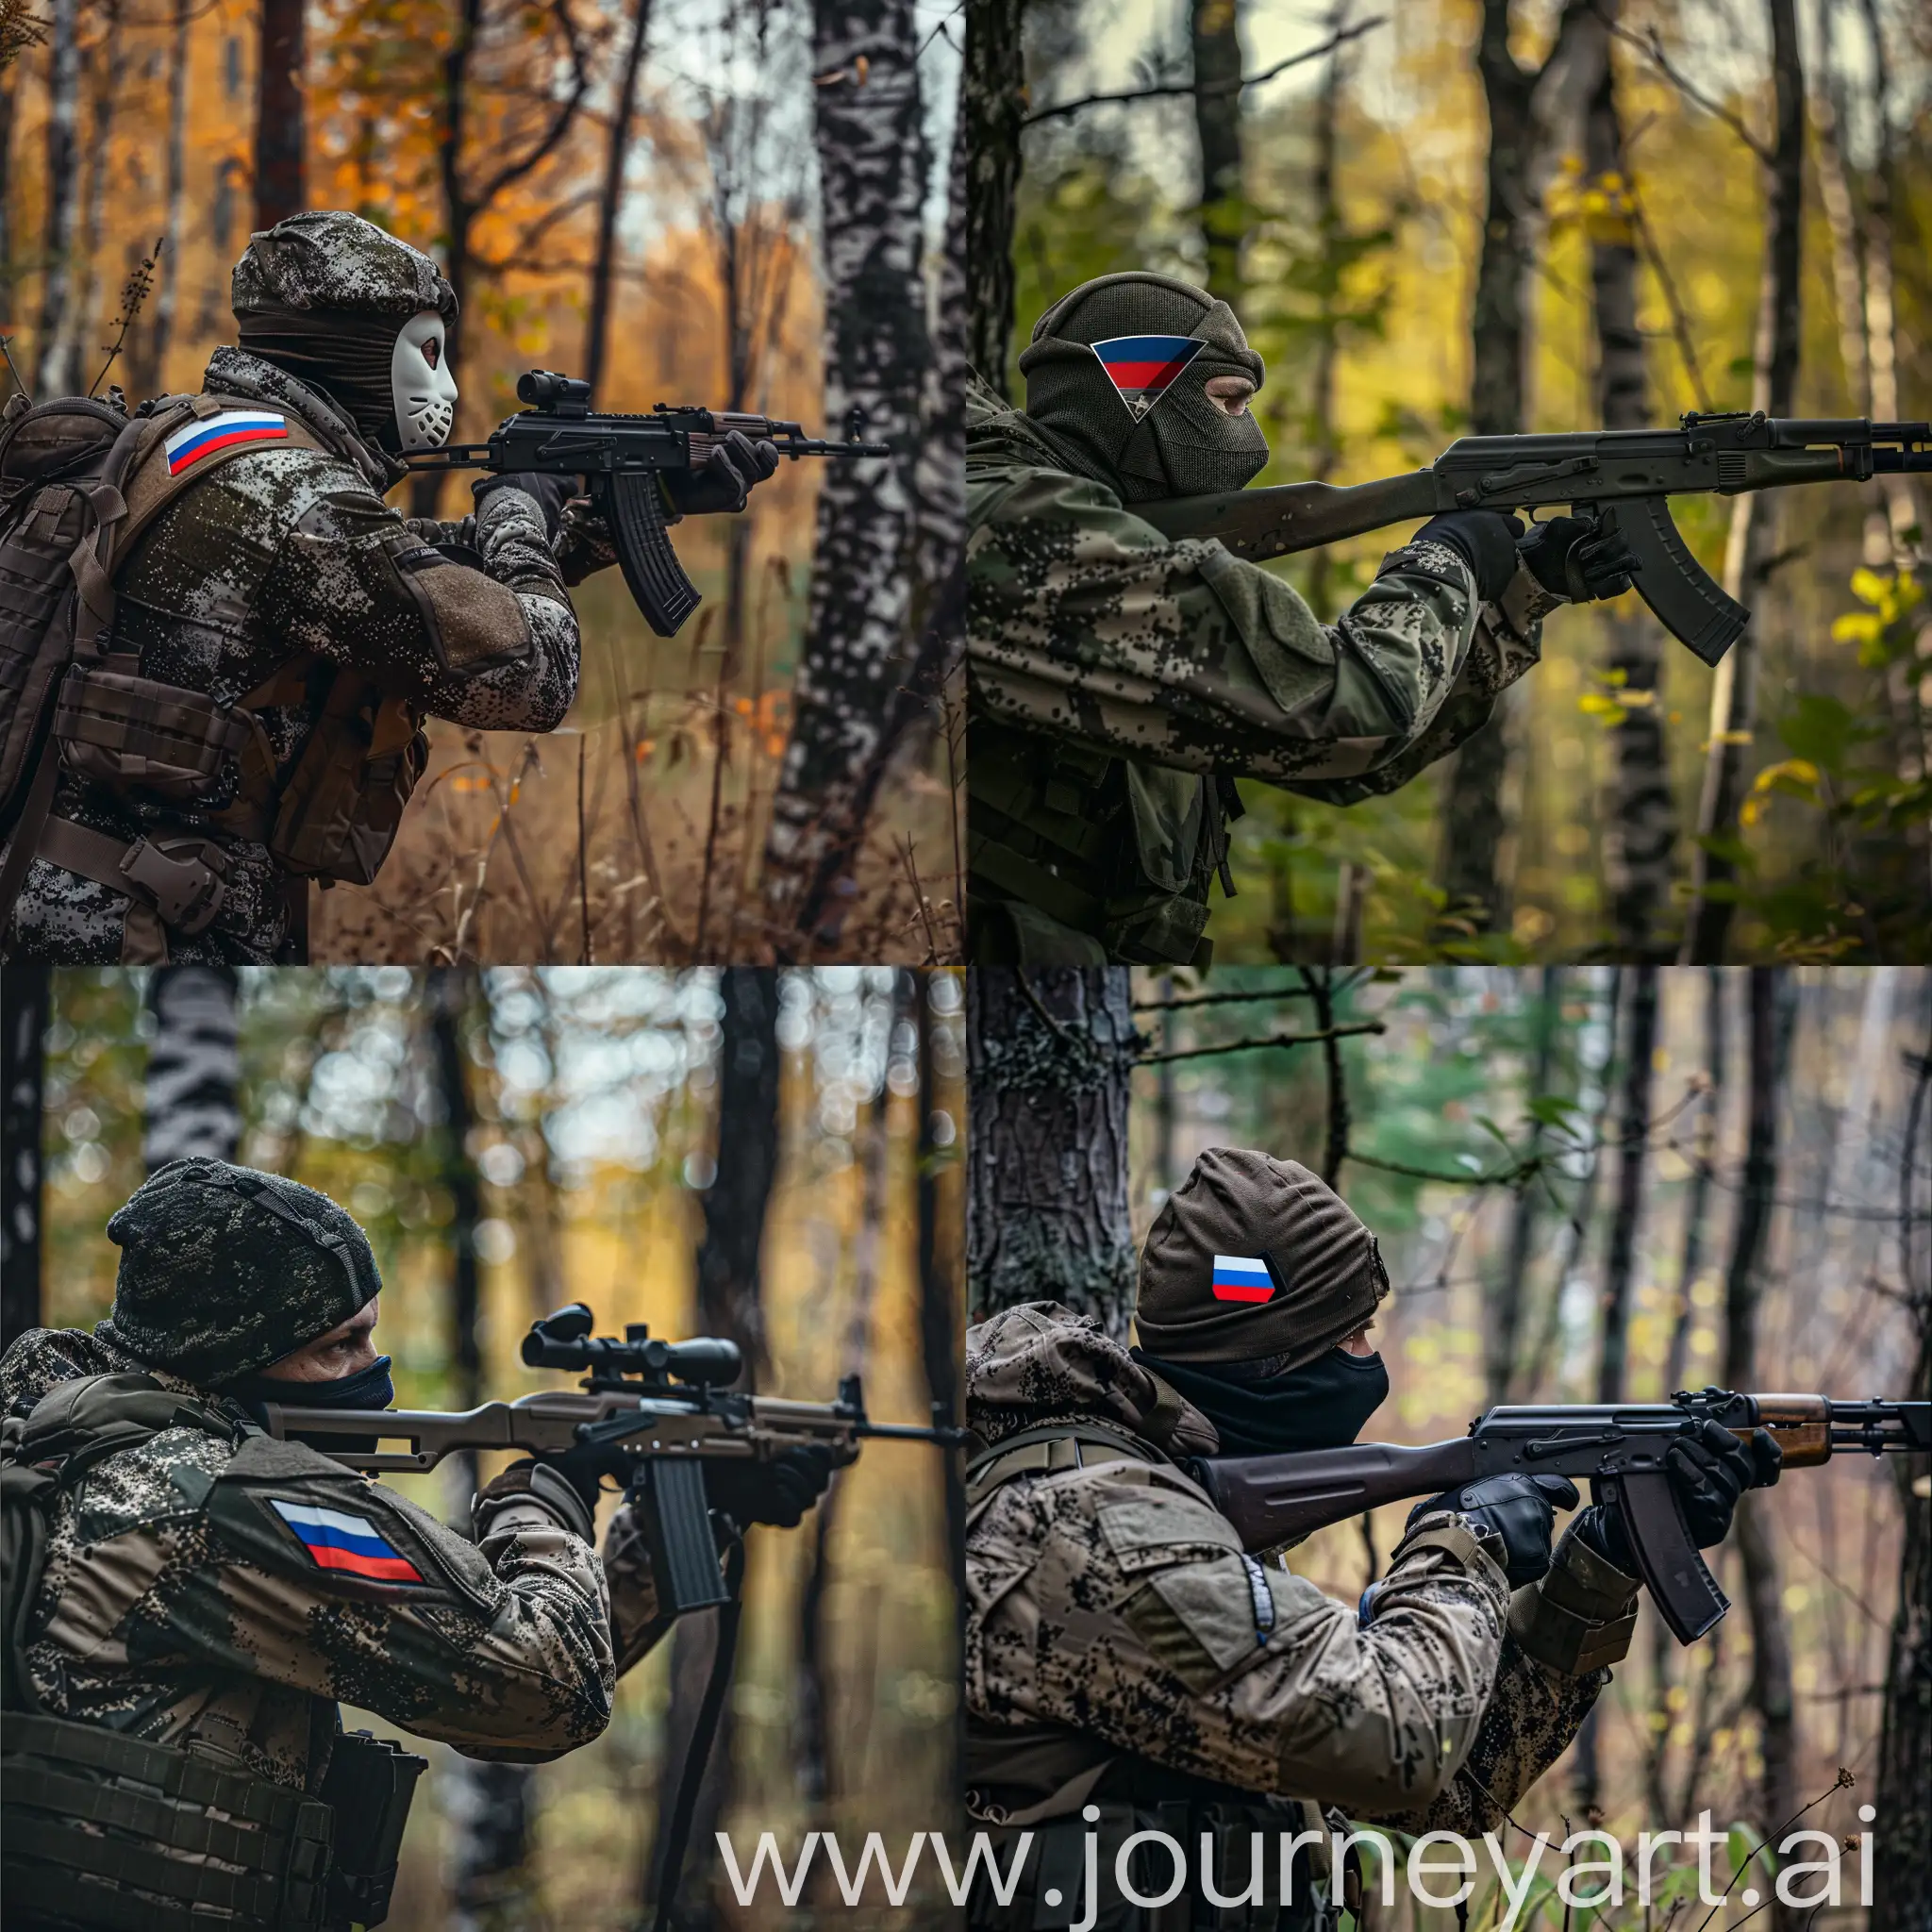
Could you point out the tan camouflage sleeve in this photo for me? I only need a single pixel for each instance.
(1084, 620)
(635, 1624)
(1120, 1604)
(496, 648)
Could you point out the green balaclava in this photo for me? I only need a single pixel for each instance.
(325, 295)
(1144, 441)
(225, 1269)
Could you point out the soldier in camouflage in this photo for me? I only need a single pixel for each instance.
(282, 585)
(1120, 682)
(208, 1594)
(1130, 1667)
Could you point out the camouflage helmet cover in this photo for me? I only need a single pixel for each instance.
(225, 1270)
(327, 259)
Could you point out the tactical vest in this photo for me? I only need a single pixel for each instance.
(77, 494)
(100, 1832)
(1067, 1788)
(1078, 857)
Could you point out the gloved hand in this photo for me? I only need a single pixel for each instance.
(727, 477)
(583, 543)
(1486, 539)
(1521, 1509)
(1578, 558)
(551, 492)
(778, 1491)
(1710, 1469)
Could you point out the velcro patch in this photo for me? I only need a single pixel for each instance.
(338, 1541)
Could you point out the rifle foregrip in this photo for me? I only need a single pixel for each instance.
(1683, 596)
(633, 514)
(1685, 1594)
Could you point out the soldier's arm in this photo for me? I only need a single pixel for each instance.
(1085, 620)
(636, 1624)
(496, 648)
(1564, 1633)
(1142, 1621)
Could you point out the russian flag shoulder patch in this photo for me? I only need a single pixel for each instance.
(1141, 367)
(187, 446)
(349, 1544)
(1242, 1278)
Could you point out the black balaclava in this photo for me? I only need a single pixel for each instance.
(1178, 444)
(370, 1388)
(345, 356)
(1322, 1404)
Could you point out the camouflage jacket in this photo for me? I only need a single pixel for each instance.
(1113, 1600)
(190, 1599)
(1085, 621)
(290, 551)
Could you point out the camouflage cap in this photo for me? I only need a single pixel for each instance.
(328, 258)
(1254, 1258)
(225, 1269)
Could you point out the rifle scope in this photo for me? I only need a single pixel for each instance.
(563, 1340)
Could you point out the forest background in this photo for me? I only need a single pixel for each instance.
(704, 202)
(768, 1156)
(1461, 216)
(1590, 1184)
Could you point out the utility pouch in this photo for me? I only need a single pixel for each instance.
(342, 805)
(129, 733)
(369, 1783)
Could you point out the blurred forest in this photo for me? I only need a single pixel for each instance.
(1456, 216)
(659, 194)
(769, 1157)
(1590, 1184)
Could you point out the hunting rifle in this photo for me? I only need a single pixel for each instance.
(1620, 477)
(621, 459)
(1271, 1500)
(664, 1403)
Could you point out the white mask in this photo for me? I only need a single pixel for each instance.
(423, 390)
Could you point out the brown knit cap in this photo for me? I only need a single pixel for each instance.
(1313, 1273)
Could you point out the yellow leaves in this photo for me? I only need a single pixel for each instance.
(1603, 206)
(1596, 704)
(1891, 597)
(1795, 777)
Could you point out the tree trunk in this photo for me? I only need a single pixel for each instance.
(25, 1006)
(1771, 1691)
(9, 100)
(603, 265)
(1754, 515)
(1640, 821)
(1632, 1157)
(992, 103)
(1214, 32)
(488, 1803)
(194, 1104)
(861, 636)
(114, 54)
(281, 185)
(1324, 193)
(1049, 1059)
(148, 363)
(1505, 1325)
(1904, 1797)
(728, 1304)
(55, 373)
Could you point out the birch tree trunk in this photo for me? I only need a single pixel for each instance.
(192, 1100)
(281, 187)
(1215, 35)
(1049, 1056)
(55, 371)
(1754, 515)
(860, 645)
(729, 1303)
(1632, 1157)
(25, 1006)
(992, 103)
(1505, 1328)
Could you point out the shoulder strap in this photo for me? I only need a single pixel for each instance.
(1048, 1449)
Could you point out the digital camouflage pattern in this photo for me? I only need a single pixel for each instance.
(327, 258)
(283, 552)
(179, 1608)
(1116, 1601)
(225, 1269)
(1085, 621)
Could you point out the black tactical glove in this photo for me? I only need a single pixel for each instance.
(1521, 1509)
(584, 543)
(551, 494)
(726, 479)
(778, 1491)
(1486, 539)
(1578, 558)
(1709, 1469)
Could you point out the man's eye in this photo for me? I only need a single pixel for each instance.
(432, 351)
